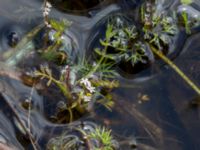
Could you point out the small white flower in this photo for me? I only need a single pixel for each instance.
(48, 5)
(91, 89)
(47, 24)
(85, 81)
(88, 85)
(45, 13)
(94, 64)
(46, 9)
(87, 98)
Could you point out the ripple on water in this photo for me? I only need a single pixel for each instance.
(139, 119)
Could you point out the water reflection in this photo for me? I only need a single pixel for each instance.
(169, 119)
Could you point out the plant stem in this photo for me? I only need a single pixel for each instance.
(176, 69)
(98, 64)
(64, 89)
(70, 115)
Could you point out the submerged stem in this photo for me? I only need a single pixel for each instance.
(70, 115)
(97, 65)
(176, 69)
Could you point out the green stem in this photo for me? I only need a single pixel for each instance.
(98, 64)
(186, 23)
(64, 89)
(70, 115)
(176, 69)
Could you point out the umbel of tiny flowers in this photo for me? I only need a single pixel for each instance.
(46, 10)
(87, 85)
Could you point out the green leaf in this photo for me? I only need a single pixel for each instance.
(109, 31)
(186, 2)
(55, 24)
(49, 82)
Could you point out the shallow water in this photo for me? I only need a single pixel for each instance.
(167, 119)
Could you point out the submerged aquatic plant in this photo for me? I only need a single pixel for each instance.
(80, 83)
(85, 83)
(189, 17)
(177, 70)
(55, 51)
(46, 11)
(159, 31)
(103, 136)
(168, 26)
(82, 93)
(159, 27)
(120, 41)
(186, 1)
(84, 137)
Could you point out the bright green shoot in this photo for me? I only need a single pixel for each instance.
(186, 2)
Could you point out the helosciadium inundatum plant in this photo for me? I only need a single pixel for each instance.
(82, 82)
(188, 17)
(46, 10)
(87, 84)
(161, 30)
(79, 82)
(88, 135)
(103, 138)
(120, 40)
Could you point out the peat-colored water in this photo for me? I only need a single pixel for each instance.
(154, 108)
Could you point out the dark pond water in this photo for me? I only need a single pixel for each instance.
(154, 107)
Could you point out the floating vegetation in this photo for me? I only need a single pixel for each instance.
(104, 138)
(186, 2)
(188, 17)
(77, 80)
(91, 81)
(159, 32)
(84, 136)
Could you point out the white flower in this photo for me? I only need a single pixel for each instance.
(48, 5)
(94, 64)
(46, 9)
(47, 24)
(85, 81)
(46, 12)
(87, 98)
(88, 85)
(91, 89)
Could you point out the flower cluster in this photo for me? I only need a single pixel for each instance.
(87, 85)
(46, 11)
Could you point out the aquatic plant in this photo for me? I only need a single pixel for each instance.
(103, 136)
(82, 93)
(186, 22)
(159, 31)
(188, 17)
(46, 10)
(85, 82)
(168, 26)
(88, 82)
(177, 70)
(85, 136)
(159, 27)
(120, 39)
(90, 79)
(186, 2)
(52, 52)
